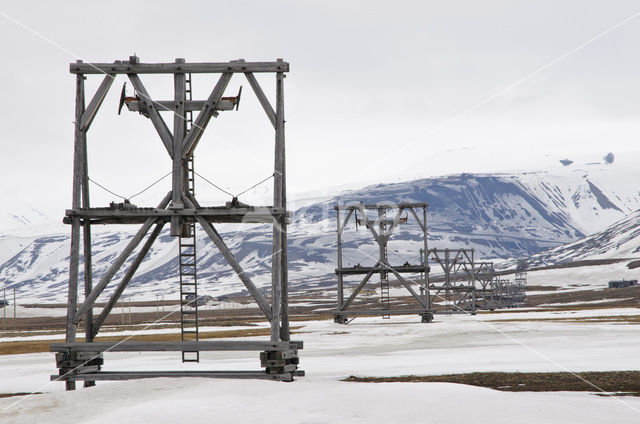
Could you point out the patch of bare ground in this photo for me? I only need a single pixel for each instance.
(602, 382)
(6, 395)
(542, 288)
(624, 297)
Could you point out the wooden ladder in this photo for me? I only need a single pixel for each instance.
(189, 330)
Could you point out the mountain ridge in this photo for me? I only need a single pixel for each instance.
(501, 216)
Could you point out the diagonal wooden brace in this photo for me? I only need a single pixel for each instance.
(201, 122)
(117, 263)
(96, 102)
(357, 289)
(407, 286)
(154, 115)
(262, 98)
(125, 280)
(231, 259)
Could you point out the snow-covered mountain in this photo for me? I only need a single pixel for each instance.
(620, 240)
(499, 215)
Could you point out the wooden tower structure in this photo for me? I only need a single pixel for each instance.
(381, 225)
(82, 361)
(458, 286)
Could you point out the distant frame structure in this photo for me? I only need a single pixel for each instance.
(82, 361)
(381, 228)
(459, 278)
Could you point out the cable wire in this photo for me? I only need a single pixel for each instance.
(106, 189)
(256, 185)
(137, 194)
(151, 185)
(213, 184)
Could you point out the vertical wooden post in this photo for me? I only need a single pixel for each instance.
(381, 242)
(178, 137)
(340, 278)
(473, 283)
(86, 239)
(280, 137)
(427, 295)
(279, 227)
(78, 155)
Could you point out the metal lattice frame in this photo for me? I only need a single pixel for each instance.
(382, 267)
(179, 208)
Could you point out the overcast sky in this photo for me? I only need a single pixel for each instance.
(378, 91)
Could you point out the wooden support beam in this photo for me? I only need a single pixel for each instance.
(96, 101)
(126, 67)
(203, 118)
(117, 263)
(402, 269)
(86, 239)
(344, 224)
(420, 222)
(134, 375)
(231, 259)
(346, 304)
(373, 312)
(262, 98)
(383, 205)
(74, 255)
(407, 286)
(340, 228)
(191, 345)
(125, 280)
(177, 175)
(189, 105)
(395, 223)
(281, 169)
(368, 223)
(156, 119)
(258, 214)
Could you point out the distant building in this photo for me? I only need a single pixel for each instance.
(200, 300)
(618, 284)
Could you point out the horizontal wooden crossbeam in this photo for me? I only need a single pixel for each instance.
(376, 270)
(125, 67)
(189, 105)
(222, 214)
(190, 346)
(382, 311)
(381, 205)
(133, 375)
